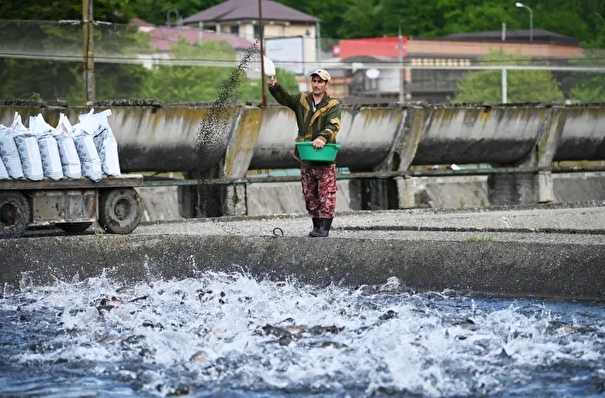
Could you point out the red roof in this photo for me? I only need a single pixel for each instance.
(163, 37)
(373, 47)
(139, 22)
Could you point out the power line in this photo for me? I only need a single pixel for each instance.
(143, 59)
(406, 62)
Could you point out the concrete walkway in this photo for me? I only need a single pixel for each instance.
(550, 253)
(563, 225)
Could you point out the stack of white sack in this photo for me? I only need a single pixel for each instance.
(87, 149)
(3, 172)
(49, 149)
(9, 154)
(70, 161)
(105, 141)
(29, 150)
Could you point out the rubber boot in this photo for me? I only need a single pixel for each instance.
(316, 226)
(324, 228)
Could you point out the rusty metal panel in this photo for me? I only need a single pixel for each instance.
(124, 180)
(82, 205)
(59, 206)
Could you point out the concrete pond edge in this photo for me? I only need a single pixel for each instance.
(558, 271)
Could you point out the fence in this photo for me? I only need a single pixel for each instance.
(44, 59)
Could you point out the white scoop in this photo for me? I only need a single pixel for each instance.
(269, 67)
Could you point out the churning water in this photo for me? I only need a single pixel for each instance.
(223, 335)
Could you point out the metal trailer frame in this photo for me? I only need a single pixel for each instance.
(72, 205)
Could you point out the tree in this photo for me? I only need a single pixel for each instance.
(477, 15)
(418, 18)
(203, 83)
(156, 11)
(53, 79)
(362, 14)
(589, 87)
(522, 85)
(331, 13)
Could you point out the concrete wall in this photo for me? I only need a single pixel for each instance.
(432, 192)
(238, 139)
(564, 271)
(163, 138)
(286, 198)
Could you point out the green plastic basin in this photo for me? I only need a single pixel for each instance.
(307, 152)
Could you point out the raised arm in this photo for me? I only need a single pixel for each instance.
(283, 96)
(332, 126)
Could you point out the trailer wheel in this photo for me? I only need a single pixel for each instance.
(15, 214)
(75, 227)
(120, 210)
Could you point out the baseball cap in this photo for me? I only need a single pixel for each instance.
(323, 74)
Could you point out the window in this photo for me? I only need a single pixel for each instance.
(257, 31)
(234, 29)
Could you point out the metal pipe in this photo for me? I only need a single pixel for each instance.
(377, 175)
(262, 51)
(504, 87)
(401, 70)
(88, 73)
(142, 60)
(531, 20)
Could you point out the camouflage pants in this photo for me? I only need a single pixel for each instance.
(319, 189)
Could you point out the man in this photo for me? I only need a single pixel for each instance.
(318, 119)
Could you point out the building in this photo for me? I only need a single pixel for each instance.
(163, 38)
(453, 50)
(291, 37)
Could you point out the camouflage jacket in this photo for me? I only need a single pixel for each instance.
(323, 123)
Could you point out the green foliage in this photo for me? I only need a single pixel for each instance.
(476, 15)
(55, 79)
(190, 83)
(589, 87)
(203, 83)
(581, 19)
(418, 18)
(55, 10)
(156, 11)
(362, 15)
(522, 86)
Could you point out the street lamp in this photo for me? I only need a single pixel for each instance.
(531, 20)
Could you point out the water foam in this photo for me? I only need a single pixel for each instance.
(233, 333)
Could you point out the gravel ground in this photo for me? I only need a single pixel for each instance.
(580, 225)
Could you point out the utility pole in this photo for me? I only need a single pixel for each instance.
(401, 71)
(531, 20)
(88, 74)
(504, 87)
(262, 51)
(504, 71)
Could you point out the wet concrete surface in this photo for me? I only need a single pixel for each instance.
(550, 252)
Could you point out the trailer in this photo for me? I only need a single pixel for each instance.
(72, 205)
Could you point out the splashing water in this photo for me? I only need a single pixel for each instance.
(231, 336)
